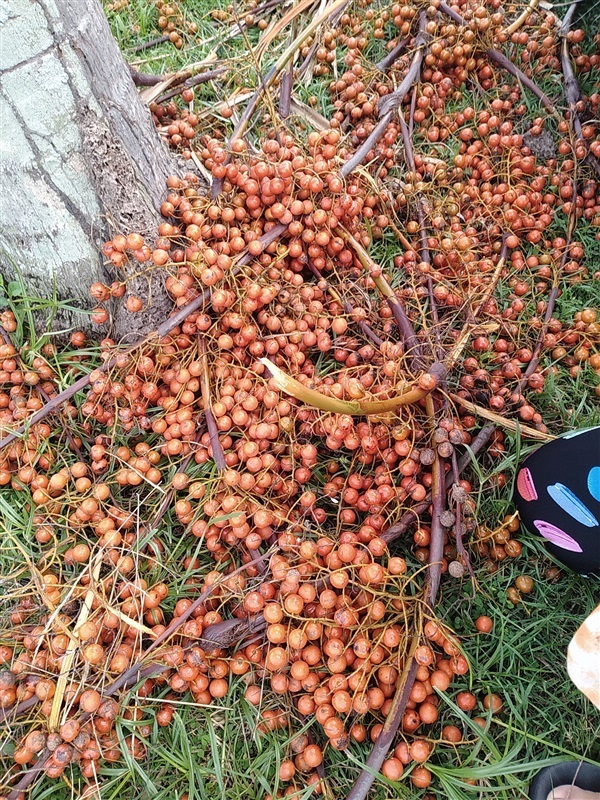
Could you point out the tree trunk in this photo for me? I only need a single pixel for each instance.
(80, 160)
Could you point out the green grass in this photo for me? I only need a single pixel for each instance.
(217, 753)
(137, 24)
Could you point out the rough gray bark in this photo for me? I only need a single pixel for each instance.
(80, 158)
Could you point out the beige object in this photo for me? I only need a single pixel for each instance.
(583, 657)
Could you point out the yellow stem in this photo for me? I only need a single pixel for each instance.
(515, 427)
(364, 258)
(67, 661)
(384, 287)
(290, 15)
(311, 397)
(514, 26)
(308, 31)
(463, 339)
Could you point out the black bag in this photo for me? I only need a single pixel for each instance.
(558, 496)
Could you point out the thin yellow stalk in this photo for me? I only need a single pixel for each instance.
(502, 422)
(336, 296)
(462, 341)
(364, 258)
(290, 15)
(200, 167)
(65, 667)
(308, 31)
(123, 617)
(514, 26)
(311, 397)
(401, 237)
(405, 326)
(150, 94)
(383, 287)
